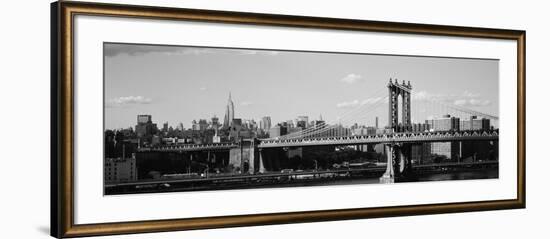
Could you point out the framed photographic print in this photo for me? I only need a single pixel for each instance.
(172, 119)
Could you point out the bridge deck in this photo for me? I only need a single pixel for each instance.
(190, 147)
(408, 137)
(383, 138)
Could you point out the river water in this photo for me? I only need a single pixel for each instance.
(464, 175)
(372, 179)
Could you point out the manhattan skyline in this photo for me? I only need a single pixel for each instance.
(180, 84)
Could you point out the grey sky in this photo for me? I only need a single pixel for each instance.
(178, 84)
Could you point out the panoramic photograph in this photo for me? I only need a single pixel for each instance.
(195, 118)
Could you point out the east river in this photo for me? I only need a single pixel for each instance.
(297, 179)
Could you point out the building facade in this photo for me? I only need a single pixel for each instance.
(445, 150)
(445, 123)
(229, 113)
(475, 123)
(277, 130)
(302, 121)
(145, 126)
(421, 153)
(120, 169)
(265, 123)
(215, 123)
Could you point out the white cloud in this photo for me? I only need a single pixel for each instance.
(272, 53)
(204, 51)
(472, 102)
(468, 94)
(355, 103)
(201, 51)
(351, 78)
(424, 95)
(127, 100)
(246, 103)
(371, 100)
(191, 51)
(202, 88)
(115, 49)
(465, 99)
(348, 104)
(257, 52)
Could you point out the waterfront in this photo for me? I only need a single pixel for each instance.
(303, 178)
(428, 177)
(462, 175)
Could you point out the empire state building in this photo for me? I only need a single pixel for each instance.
(229, 113)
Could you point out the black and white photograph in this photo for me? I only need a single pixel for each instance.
(189, 118)
(274, 119)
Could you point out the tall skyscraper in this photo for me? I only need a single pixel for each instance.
(145, 126)
(143, 119)
(180, 127)
(215, 122)
(229, 113)
(302, 121)
(265, 123)
(277, 130)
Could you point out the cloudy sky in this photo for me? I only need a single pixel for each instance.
(179, 84)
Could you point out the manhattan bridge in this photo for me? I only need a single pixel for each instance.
(398, 138)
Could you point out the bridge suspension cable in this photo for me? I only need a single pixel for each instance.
(422, 109)
(441, 107)
(360, 112)
(349, 115)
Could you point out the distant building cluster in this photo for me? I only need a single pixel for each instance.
(457, 150)
(233, 129)
(451, 123)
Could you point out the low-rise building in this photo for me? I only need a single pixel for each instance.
(120, 169)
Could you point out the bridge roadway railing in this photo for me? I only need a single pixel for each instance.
(190, 147)
(405, 137)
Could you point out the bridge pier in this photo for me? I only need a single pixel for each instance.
(398, 162)
(248, 157)
(255, 160)
(405, 163)
(261, 168)
(389, 175)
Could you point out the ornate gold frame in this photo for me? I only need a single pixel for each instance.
(62, 118)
